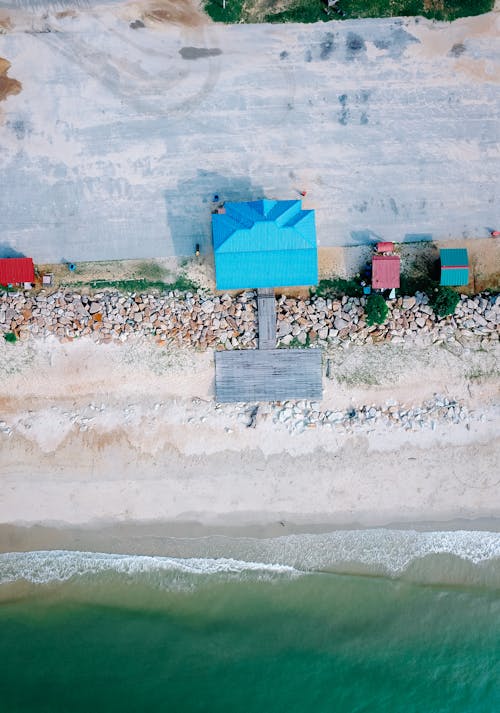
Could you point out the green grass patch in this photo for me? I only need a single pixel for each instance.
(358, 377)
(10, 337)
(181, 284)
(337, 287)
(232, 13)
(301, 11)
(307, 11)
(479, 374)
(151, 271)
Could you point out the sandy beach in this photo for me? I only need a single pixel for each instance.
(128, 437)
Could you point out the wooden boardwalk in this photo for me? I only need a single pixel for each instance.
(267, 318)
(267, 375)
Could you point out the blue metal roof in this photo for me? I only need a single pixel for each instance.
(454, 266)
(264, 243)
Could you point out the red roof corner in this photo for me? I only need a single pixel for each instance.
(16, 270)
(385, 272)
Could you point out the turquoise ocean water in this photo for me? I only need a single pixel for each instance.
(375, 621)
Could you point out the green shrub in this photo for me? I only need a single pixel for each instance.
(10, 337)
(410, 284)
(337, 287)
(376, 309)
(444, 301)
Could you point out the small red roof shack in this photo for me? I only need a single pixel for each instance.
(16, 270)
(385, 247)
(385, 272)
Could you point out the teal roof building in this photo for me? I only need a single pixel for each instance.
(264, 243)
(454, 266)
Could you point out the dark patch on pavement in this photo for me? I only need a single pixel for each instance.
(326, 46)
(284, 54)
(457, 49)
(199, 52)
(354, 45)
(362, 207)
(396, 43)
(344, 117)
(19, 128)
(394, 207)
(344, 113)
(363, 118)
(307, 56)
(137, 25)
(364, 95)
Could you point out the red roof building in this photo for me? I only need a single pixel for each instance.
(16, 270)
(385, 247)
(385, 272)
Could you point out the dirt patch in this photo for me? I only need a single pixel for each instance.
(5, 24)
(174, 12)
(432, 5)
(66, 13)
(8, 86)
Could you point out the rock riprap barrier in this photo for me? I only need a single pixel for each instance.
(201, 321)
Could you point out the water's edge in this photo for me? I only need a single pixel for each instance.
(468, 557)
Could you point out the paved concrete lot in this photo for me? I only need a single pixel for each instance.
(119, 138)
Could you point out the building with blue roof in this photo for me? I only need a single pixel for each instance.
(454, 266)
(264, 243)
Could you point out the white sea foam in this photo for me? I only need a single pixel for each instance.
(391, 551)
(46, 566)
(447, 556)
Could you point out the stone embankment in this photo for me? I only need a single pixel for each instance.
(230, 322)
(297, 416)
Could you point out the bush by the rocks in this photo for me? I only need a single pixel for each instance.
(444, 301)
(376, 309)
(10, 337)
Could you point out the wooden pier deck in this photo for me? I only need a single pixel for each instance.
(266, 304)
(267, 375)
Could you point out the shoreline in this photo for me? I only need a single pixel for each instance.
(191, 538)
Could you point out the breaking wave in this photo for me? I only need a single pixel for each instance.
(449, 557)
(42, 567)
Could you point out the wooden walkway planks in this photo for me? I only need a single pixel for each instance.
(266, 304)
(268, 375)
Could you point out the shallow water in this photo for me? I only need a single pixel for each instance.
(83, 632)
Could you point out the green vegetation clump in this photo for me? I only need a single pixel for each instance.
(444, 301)
(315, 10)
(10, 337)
(181, 284)
(295, 344)
(232, 13)
(410, 284)
(302, 11)
(376, 309)
(337, 287)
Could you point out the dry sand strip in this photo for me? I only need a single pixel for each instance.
(95, 434)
